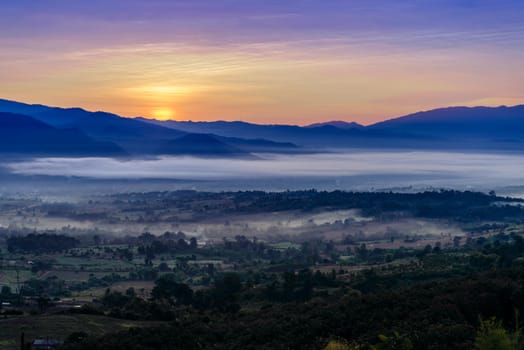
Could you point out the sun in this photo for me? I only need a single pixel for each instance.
(163, 113)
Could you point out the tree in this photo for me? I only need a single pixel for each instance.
(493, 336)
(96, 240)
(338, 345)
(6, 291)
(176, 293)
(43, 302)
(393, 342)
(229, 284)
(76, 338)
(41, 243)
(193, 243)
(163, 267)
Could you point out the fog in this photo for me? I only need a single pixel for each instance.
(357, 170)
(293, 225)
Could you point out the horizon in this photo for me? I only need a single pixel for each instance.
(296, 63)
(257, 123)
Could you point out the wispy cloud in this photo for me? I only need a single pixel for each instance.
(267, 61)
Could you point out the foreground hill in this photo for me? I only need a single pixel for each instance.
(20, 134)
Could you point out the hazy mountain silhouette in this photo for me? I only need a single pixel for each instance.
(456, 128)
(260, 145)
(128, 133)
(24, 135)
(21, 108)
(337, 124)
(314, 138)
(133, 135)
(200, 145)
(471, 122)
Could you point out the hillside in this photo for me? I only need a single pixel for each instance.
(136, 136)
(473, 122)
(452, 128)
(201, 145)
(20, 134)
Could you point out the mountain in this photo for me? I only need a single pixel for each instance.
(464, 128)
(260, 145)
(21, 108)
(485, 123)
(24, 135)
(452, 128)
(200, 145)
(133, 135)
(312, 138)
(136, 136)
(337, 124)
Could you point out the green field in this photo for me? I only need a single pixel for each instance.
(142, 289)
(285, 245)
(92, 263)
(8, 277)
(59, 327)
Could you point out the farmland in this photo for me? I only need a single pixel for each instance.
(110, 263)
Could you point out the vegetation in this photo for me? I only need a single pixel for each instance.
(41, 243)
(333, 285)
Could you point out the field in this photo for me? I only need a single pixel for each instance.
(101, 264)
(59, 327)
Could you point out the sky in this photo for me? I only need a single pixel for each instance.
(267, 61)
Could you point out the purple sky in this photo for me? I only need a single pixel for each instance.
(293, 61)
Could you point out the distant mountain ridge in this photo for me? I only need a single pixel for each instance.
(454, 128)
(476, 122)
(126, 132)
(337, 124)
(201, 145)
(313, 138)
(451, 128)
(134, 136)
(21, 134)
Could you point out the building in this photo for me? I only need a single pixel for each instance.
(45, 343)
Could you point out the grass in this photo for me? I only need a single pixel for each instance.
(122, 287)
(285, 245)
(74, 276)
(8, 277)
(92, 263)
(7, 344)
(60, 326)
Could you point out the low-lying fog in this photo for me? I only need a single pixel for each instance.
(273, 226)
(356, 170)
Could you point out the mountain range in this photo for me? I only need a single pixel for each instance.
(453, 128)
(21, 134)
(35, 130)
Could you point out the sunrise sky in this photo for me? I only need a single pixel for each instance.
(267, 61)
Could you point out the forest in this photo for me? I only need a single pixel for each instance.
(328, 270)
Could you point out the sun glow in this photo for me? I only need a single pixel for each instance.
(163, 113)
